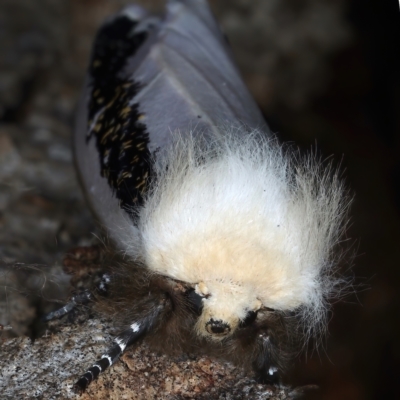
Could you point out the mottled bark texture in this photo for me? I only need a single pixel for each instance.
(48, 367)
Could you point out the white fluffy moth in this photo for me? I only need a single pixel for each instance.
(227, 239)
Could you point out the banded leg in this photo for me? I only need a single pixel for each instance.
(265, 371)
(125, 339)
(79, 299)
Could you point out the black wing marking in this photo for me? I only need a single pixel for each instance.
(121, 139)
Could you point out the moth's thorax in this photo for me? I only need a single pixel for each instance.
(235, 214)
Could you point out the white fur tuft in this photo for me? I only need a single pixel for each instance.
(249, 221)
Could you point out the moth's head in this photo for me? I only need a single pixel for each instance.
(225, 305)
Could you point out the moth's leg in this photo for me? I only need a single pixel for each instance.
(266, 372)
(81, 298)
(136, 330)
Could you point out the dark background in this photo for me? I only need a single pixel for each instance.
(326, 75)
(358, 116)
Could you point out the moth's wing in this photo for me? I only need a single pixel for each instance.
(188, 79)
(148, 78)
(99, 111)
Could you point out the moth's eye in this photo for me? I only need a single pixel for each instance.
(249, 319)
(195, 301)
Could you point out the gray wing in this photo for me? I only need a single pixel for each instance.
(149, 77)
(188, 77)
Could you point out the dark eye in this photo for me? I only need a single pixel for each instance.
(195, 301)
(249, 319)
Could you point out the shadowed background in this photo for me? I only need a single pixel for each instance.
(325, 74)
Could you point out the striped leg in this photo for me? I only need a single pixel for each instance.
(126, 338)
(81, 298)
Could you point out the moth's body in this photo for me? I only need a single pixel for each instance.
(226, 233)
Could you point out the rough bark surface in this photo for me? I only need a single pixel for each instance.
(48, 367)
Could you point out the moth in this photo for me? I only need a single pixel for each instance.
(226, 238)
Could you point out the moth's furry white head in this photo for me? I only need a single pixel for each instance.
(249, 221)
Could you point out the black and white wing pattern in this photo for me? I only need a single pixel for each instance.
(148, 78)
